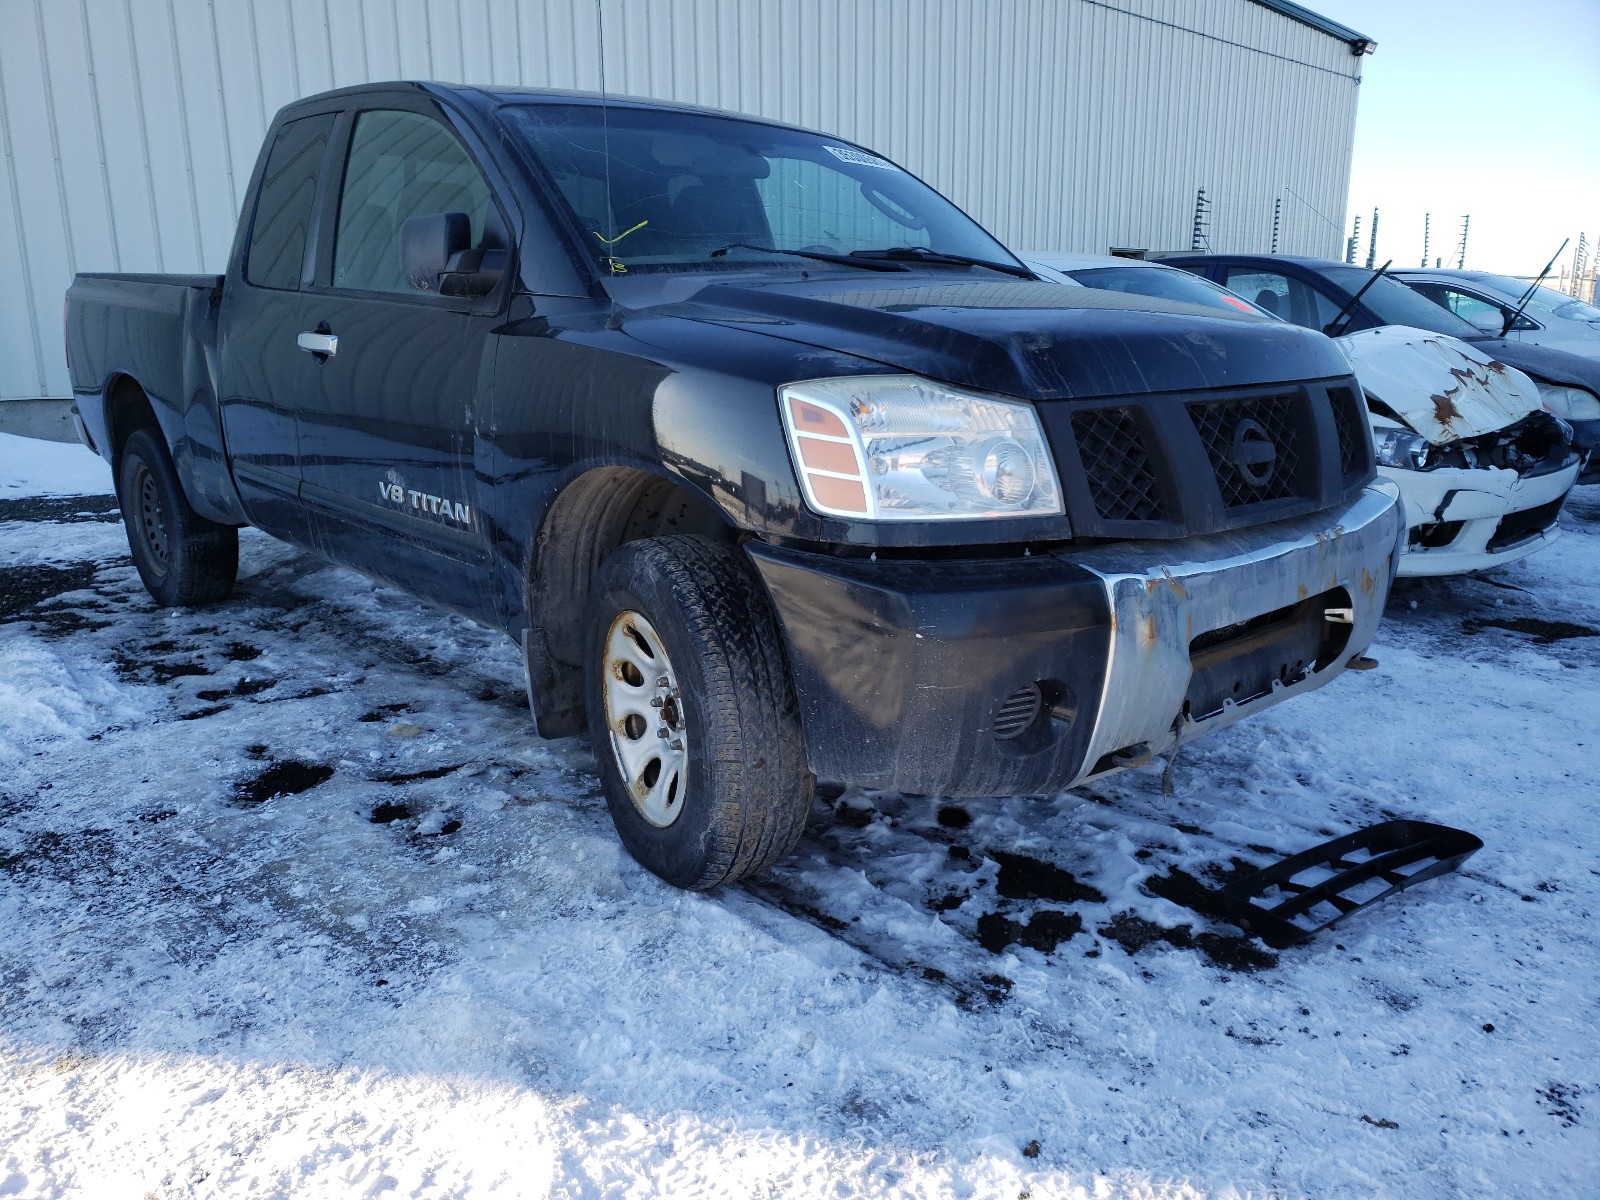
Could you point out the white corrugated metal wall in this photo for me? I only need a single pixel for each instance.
(129, 127)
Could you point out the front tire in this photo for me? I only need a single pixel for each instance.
(691, 713)
(183, 558)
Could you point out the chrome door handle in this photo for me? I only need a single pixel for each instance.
(325, 344)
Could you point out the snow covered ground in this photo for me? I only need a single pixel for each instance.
(293, 903)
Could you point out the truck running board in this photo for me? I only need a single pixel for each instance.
(1288, 902)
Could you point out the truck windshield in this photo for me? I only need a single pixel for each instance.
(1394, 303)
(656, 189)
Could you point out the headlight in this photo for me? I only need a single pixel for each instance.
(1400, 448)
(1575, 404)
(902, 448)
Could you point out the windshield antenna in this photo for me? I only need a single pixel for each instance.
(615, 267)
(1354, 300)
(1532, 288)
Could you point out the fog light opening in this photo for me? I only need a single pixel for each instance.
(1035, 716)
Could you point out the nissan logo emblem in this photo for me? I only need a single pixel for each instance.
(1253, 452)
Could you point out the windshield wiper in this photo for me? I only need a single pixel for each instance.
(924, 254)
(1356, 299)
(1532, 288)
(820, 256)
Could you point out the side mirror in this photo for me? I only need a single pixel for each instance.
(1489, 320)
(436, 255)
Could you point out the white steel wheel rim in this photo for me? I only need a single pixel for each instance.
(644, 716)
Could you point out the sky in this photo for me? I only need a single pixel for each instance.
(1480, 107)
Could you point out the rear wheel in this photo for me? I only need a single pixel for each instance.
(691, 713)
(182, 558)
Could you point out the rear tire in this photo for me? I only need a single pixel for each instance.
(183, 558)
(691, 713)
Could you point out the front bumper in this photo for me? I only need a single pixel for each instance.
(1469, 520)
(906, 672)
(1586, 437)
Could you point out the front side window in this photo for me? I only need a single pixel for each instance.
(283, 207)
(401, 165)
(655, 189)
(1464, 304)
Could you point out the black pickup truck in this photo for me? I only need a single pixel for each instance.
(778, 467)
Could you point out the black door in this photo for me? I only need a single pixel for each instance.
(264, 375)
(387, 433)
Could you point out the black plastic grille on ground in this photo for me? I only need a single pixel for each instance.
(1519, 526)
(1350, 424)
(1118, 467)
(1308, 892)
(1218, 422)
(1017, 711)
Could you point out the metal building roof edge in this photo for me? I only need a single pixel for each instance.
(1359, 43)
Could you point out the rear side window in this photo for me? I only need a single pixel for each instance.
(401, 165)
(283, 209)
(1283, 296)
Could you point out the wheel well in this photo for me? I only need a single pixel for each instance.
(593, 515)
(127, 409)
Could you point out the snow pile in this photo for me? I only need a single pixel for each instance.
(30, 467)
(292, 902)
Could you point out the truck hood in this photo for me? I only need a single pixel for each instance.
(1442, 387)
(1020, 337)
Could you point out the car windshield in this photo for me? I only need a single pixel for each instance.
(1165, 283)
(658, 189)
(1393, 303)
(1559, 303)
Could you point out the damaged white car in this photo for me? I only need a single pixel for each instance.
(1483, 468)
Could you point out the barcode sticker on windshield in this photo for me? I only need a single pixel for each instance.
(860, 157)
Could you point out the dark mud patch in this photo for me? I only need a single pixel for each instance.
(1024, 878)
(201, 714)
(852, 817)
(241, 652)
(382, 713)
(1229, 951)
(1044, 931)
(140, 668)
(21, 587)
(245, 687)
(1543, 633)
(413, 776)
(953, 816)
(83, 857)
(1561, 1101)
(62, 509)
(1188, 892)
(388, 813)
(287, 778)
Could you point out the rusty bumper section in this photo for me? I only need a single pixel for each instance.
(1293, 601)
(1031, 675)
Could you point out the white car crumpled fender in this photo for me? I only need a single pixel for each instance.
(1460, 518)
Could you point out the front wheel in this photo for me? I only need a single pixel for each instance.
(183, 558)
(691, 713)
